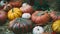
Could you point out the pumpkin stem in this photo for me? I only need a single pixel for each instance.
(12, 10)
(40, 13)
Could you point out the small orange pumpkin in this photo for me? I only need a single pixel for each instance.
(15, 3)
(40, 17)
(54, 15)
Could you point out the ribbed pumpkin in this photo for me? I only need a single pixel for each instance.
(26, 15)
(55, 15)
(40, 17)
(14, 13)
(20, 25)
(56, 26)
(16, 3)
(38, 30)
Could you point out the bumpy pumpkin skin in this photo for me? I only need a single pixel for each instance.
(14, 13)
(20, 25)
(56, 26)
(39, 18)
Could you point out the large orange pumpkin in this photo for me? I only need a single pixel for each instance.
(40, 17)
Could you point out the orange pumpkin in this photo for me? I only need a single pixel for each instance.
(16, 3)
(54, 15)
(40, 17)
(3, 17)
(58, 17)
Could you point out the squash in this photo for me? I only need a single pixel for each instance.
(26, 8)
(56, 26)
(15, 3)
(14, 13)
(3, 17)
(38, 30)
(55, 15)
(7, 7)
(26, 15)
(40, 17)
(20, 25)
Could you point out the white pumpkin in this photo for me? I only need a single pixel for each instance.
(38, 30)
(2, 3)
(26, 15)
(26, 8)
(24, 4)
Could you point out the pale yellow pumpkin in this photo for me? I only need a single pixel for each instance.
(14, 13)
(56, 26)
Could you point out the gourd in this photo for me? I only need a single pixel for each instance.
(55, 15)
(3, 17)
(26, 15)
(14, 13)
(20, 25)
(15, 3)
(40, 17)
(38, 30)
(26, 8)
(56, 26)
(7, 7)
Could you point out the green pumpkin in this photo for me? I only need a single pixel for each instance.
(20, 25)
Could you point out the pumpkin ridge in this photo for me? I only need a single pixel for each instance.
(41, 19)
(18, 14)
(39, 14)
(12, 16)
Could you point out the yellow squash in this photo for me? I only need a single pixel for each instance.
(14, 13)
(56, 26)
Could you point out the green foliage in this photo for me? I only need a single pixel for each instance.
(37, 5)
